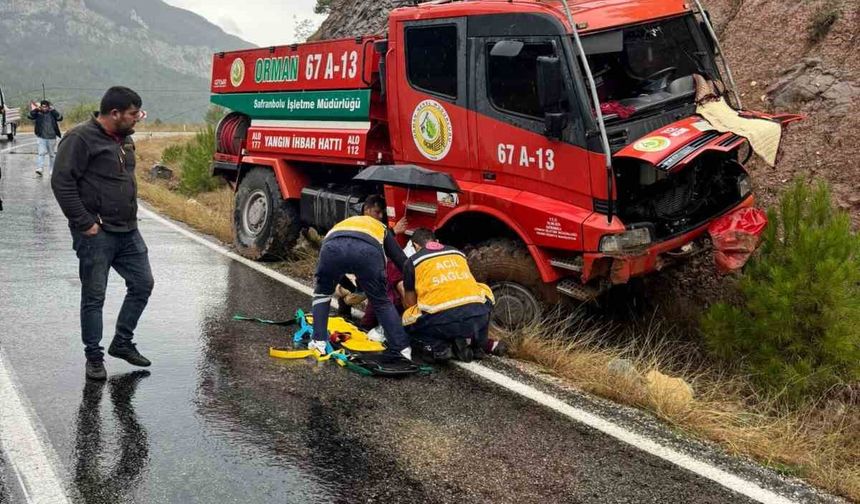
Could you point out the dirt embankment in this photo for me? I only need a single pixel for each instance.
(801, 57)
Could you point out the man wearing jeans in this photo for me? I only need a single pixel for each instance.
(45, 122)
(95, 186)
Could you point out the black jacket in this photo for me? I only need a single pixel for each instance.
(93, 179)
(42, 121)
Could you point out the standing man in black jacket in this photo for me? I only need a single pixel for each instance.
(95, 186)
(45, 124)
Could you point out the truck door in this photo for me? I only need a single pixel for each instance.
(433, 118)
(512, 148)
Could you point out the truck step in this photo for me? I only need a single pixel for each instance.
(574, 264)
(573, 288)
(425, 208)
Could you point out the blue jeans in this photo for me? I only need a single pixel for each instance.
(339, 256)
(439, 330)
(127, 254)
(47, 148)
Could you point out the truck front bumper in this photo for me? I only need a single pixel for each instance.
(620, 268)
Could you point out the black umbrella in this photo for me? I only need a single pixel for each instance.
(411, 176)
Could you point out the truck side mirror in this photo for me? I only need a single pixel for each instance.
(550, 88)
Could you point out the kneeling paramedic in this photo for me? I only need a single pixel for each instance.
(359, 245)
(447, 307)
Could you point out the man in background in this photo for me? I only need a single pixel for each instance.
(46, 125)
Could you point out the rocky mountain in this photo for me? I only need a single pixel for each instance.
(78, 48)
(786, 56)
(349, 18)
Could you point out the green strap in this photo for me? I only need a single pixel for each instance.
(358, 369)
(348, 364)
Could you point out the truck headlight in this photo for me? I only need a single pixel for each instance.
(632, 239)
(744, 185)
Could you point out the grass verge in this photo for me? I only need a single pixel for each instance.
(820, 443)
(208, 212)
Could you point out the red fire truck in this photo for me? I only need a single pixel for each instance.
(571, 130)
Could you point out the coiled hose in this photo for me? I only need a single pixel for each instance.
(231, 132)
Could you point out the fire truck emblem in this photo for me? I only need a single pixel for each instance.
(431, 130)
(237, 72)
(652, 144)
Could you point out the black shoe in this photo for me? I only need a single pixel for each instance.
(499, 348)
(422, 353)
(443, 355)
(426, 354)
(461, 350)
(128, 352)
(96, 370)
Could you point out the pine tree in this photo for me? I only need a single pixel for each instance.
(796, 328)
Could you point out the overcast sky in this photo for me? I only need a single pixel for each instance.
(263, 22)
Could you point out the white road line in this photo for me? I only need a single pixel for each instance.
(704, 469)
(687, 462)
(7, 149)
(26, 453)
(221, 250)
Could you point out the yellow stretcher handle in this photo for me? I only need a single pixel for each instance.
(283, 353)
(286, 353)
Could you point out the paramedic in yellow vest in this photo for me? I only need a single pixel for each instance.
(359, 245)
(446, 308)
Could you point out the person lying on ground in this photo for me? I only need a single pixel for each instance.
(448, 311)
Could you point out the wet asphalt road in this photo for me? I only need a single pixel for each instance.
(216, 420)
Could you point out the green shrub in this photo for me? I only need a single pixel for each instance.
(823, 20)
(79, 113)
(25, 109)
(196, 161)
(795, 326)
(172, 154)
(214, 114)
(322, 7)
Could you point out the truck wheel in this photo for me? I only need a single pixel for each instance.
(508, 268)
(265, 225)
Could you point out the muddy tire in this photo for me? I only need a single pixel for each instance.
(508, 268)
(265, 225)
